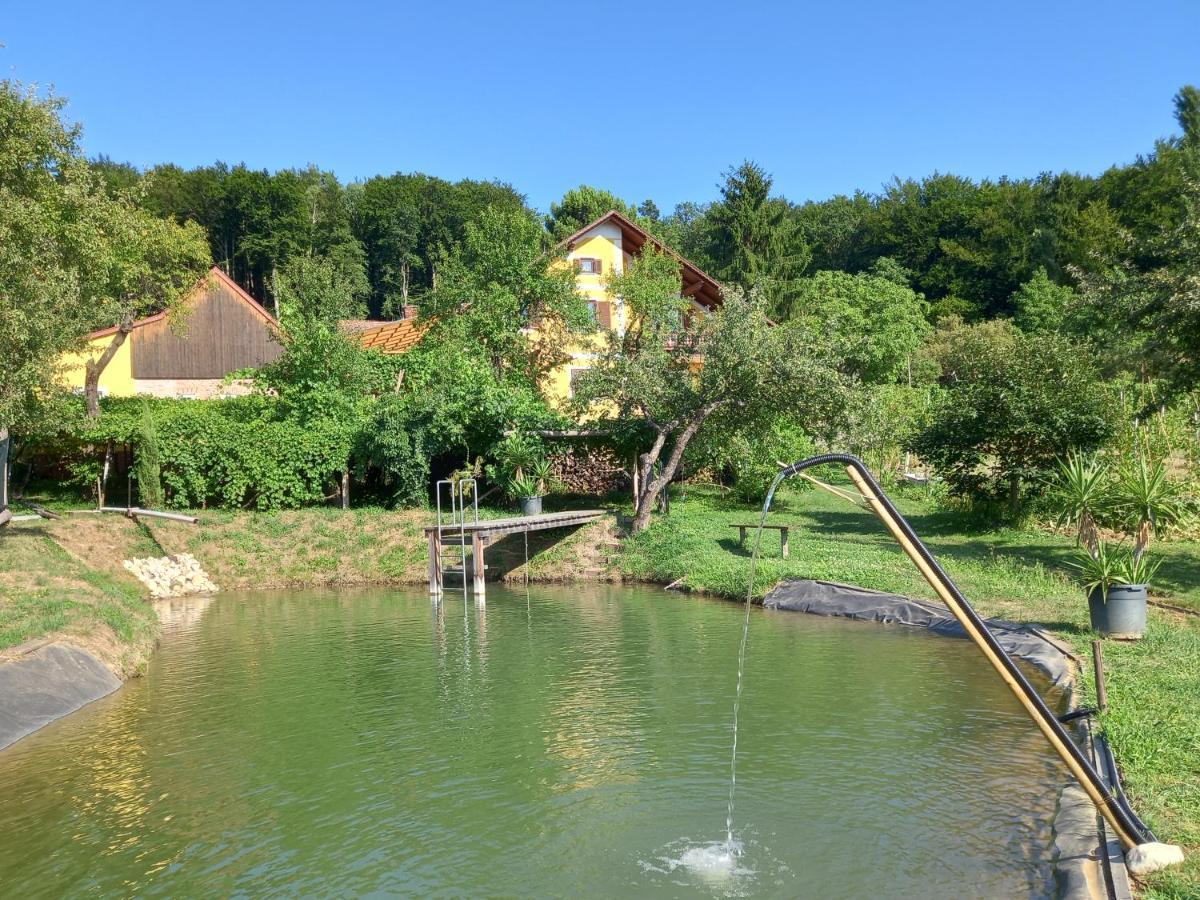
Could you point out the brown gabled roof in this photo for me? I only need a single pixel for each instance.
(701, 287)
(200, 287)
(393, 337)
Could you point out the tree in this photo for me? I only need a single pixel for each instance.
(876, 320)
(321, 374)
(582, 205)
(732, 369)
(1011, 403)
(131, 264)
(500, 280)
(754, 242)
(1187, 113)
(40, 311)
(1157, 312)
(75, 254)
(1041, 305)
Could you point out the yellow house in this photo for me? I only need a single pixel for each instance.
(598, 249)
(222, 330)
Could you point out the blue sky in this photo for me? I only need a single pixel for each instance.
(649, 100)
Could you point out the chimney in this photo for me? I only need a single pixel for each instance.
(409, 311)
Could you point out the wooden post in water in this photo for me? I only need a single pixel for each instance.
(435, 566)
(478, 568)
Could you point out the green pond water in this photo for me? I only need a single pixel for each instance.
(568, 742)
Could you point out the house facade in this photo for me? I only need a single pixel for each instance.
(596, 251)
(219, 329)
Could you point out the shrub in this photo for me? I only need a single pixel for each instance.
(146, 468)
(1010, 403)
(754, 461)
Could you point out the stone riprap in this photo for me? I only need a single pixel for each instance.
(171, 576)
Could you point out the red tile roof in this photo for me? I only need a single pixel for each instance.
(393, 337)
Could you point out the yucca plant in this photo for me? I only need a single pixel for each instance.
(1134, 569)
(1100, 567)
(1080, 491)
(523, 486)
(1147, 499)
(540, 472)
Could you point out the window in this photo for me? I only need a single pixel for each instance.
(589, 266)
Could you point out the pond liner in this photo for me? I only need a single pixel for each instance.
(1078, 841)
(827, 598)
(47, 684)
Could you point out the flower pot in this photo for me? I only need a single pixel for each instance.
(1122, 613)
(531, 506)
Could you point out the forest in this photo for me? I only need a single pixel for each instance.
(977, 249)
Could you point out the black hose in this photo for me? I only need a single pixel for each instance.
(1119, 809)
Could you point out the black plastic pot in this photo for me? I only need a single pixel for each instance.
(1121, 613)
(531, 506)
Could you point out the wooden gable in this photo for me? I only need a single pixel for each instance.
(222, 329)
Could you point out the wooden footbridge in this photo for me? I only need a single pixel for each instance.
(473, 536)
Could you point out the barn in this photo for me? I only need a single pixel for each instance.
(219, 329)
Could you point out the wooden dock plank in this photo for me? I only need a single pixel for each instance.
(517, 524)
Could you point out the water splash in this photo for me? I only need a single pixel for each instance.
(737, 697)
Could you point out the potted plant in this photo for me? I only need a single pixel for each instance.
(1116, 580)
(1146, 500)
(1140, 499)
(528, 493)
(1080, 494)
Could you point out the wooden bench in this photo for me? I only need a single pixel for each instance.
(783, 535)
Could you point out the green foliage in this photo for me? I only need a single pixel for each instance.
(879, 421)
(316, 290)
(753, 240)
(147, 468)
(496, 282)
(516, 453)
(1079, 495)
(751, 369)
(72, 256)
(232, 453)
(1145, 500)
(754, 459)
(392, 453)
(582, 205)
(1154, 312)
(1041, 305)
(524, 486)
(1100, 567)
(1010, 403)
(876, 322)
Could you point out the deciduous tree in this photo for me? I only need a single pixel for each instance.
(731, 369)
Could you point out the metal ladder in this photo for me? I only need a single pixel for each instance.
(456, 491)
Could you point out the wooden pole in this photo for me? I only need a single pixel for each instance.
(1098, 665)
(478, 568)
(1081, 775)
(435, 566)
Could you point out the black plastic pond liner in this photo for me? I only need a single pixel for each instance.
(827, 598)
(1128, 827)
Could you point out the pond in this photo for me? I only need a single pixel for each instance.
(568, 741)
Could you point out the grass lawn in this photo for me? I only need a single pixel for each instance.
(44, 590)
(1019, 574)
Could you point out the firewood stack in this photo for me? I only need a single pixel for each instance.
(588, 470)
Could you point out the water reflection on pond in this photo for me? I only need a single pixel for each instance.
(574, 741)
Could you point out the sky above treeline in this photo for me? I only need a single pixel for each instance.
(649, 100)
